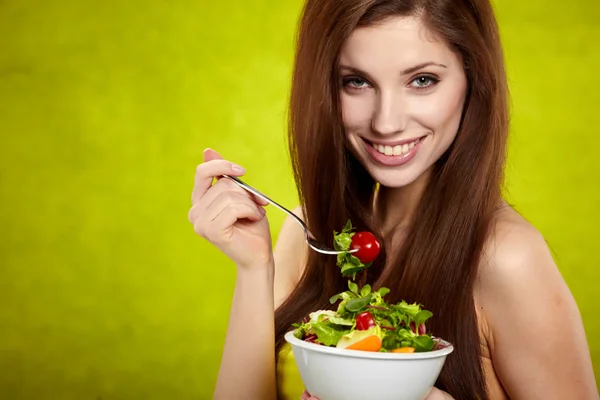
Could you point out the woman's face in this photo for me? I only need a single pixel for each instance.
(402, 98)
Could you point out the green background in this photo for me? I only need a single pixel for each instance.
(105, 108)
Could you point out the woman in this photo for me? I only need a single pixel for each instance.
(399, 122)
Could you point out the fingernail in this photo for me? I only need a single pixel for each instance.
(237, 168)
(207, 149)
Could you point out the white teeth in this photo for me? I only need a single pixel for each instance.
(395, 150)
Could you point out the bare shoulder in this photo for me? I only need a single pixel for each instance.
(515, 250)
(290, 256)
(523, 300)
(518, 267)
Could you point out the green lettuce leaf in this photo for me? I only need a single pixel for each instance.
(355, 305)
(327, 333)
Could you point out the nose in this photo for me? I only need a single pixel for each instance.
(390, 114)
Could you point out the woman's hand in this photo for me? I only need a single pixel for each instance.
(228, 216)
(435, 394)
(307, 396)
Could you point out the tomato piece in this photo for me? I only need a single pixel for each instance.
(367, 246)
(364, 321)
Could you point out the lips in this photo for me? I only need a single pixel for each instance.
(394, 154)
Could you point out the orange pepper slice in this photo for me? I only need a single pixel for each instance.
(370, 343)
(404, 350)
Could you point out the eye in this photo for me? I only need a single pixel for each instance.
(355, 82)
(424, 82)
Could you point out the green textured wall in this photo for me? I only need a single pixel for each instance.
(105, 108)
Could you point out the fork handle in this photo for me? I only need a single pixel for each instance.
(255, 192)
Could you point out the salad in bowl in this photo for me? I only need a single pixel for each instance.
(387, 345)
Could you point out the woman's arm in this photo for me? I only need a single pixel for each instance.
(234, 222)
(248, 365)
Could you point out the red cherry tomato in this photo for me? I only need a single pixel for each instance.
(364, 321)
(367, 245)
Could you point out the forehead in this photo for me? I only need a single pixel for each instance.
(397, 42)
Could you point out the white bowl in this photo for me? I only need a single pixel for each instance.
(339, 374)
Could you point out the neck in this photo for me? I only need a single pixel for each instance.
(396, 207)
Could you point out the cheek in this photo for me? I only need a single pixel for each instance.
(441, 114)
(356, 113)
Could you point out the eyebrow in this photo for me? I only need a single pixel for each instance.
(407, 71)
(421, 66)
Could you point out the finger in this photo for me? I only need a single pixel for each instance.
(259, 200)
(436, 394)
(195, 213)
(229, 198)
(221, 188)
(307, 396)
(206, 172)
(224, 189)
(210, 154)
(222, 215)
(220, 225)
(235, 204)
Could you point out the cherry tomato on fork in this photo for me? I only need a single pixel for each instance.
(367, 245)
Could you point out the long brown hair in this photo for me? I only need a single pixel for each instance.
(438, 261)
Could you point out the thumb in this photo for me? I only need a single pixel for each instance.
(210, 154)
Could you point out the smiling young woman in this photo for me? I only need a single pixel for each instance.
(399, 121)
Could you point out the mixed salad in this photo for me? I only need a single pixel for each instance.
(363, 320)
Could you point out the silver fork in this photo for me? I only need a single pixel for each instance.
(309, 237)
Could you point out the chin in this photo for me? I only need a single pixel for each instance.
(394, 178)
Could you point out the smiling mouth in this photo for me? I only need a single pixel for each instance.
(393, 154)
(396, 150)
